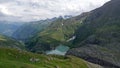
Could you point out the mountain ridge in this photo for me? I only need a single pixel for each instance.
(98, 38)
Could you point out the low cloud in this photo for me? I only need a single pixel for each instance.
(30, 10)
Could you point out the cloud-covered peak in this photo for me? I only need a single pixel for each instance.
(30, 10)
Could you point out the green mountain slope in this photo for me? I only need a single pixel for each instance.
(98, 39)
(28, 30)
(57, 33)
(10, 43)
(11, 58)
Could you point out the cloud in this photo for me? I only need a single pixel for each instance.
(30, 10)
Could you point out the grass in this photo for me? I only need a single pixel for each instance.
(59, 32)
(9, 42)
(12, 58)
(2, 38)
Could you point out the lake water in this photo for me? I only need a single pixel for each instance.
(59, 50)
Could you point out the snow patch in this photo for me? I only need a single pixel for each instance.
(71, 38)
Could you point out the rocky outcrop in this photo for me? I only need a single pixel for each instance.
(95, 54)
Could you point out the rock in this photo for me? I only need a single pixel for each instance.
(34, 60)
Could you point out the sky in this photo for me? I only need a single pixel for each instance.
(33, 10)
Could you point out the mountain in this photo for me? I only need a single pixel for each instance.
(8, 28)
(93, 36)
(58, 32)
(30, 29)
(98, 39)
(12, 58)
(10, 43)
(67, 16)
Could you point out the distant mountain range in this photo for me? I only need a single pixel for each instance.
(28, 30)
(8, 28)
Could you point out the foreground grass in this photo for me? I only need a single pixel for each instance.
(12, 58)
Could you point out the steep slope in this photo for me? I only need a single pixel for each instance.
(28, 30)
(10, 43)
(59, 32)
(11, 58)
(98, 39)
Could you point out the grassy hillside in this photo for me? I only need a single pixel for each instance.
(11, 43)
(12, 58)
(57, 33)
(28, 30)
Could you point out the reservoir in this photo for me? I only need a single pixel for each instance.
(59, 50)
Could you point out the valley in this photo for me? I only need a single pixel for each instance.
(88, 40)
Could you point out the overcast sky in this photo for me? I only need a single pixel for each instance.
(30, 10)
